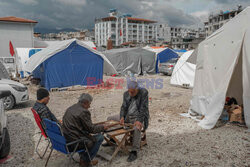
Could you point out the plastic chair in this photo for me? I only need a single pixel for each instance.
(54, 132)
(39, 124)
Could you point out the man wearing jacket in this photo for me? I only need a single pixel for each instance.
(41, 105)
(77, 124)
(134, 110)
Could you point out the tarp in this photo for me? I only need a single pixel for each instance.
(162, 54)
(184, 72)
(135, 60)
(23, 55)
(192, 59)
(38, 43)
(3, 72)
(69, 63)
(223, 69)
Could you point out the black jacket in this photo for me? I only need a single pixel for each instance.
(77, 124)
(142, 105)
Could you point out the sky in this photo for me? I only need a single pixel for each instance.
(80, 14)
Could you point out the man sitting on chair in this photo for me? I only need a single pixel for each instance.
(41, 105)
(77, 124)
(134, 110)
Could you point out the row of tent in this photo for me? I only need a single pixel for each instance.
(73, 62)
(219, 68)
(139, 60)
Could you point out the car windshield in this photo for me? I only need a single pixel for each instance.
(173, 61)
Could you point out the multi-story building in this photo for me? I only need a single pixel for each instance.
(216, 21)
(124, 29)
(164, 33)
(186, 38)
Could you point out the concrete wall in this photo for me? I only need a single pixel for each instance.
(20, 34)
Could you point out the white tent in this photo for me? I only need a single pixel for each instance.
(22, 56)
(56, 47)
(38, 43)
(184, 71)
(223, 69)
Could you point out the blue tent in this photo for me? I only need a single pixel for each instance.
(180, 50)
(68, 64)
(165, 56)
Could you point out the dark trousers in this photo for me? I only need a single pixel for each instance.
(136, 133)
(93, 150)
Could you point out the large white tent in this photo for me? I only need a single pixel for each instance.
(223, 69)
(184, 71)
(23, 55)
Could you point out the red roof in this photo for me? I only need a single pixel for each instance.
(16, 19)
(141, 20)
(109, 18)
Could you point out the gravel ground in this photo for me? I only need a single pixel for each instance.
(172, 140)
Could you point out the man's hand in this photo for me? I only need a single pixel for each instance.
(138, 125)
(122, 121)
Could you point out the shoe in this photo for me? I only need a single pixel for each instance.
(132, 156)
(94, 162)
(84, 163)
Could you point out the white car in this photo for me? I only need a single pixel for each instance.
(4, 133)
(19, 93)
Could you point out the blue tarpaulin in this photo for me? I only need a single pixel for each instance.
(33, 51)
(75, 65)
(180, 50)
(165, 56)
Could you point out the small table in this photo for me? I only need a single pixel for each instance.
(112, 133)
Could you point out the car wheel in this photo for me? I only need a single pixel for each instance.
(9, 102)
(5, 150)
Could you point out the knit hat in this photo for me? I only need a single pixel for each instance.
(42, 93)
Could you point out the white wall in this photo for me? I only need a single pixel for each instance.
(20, 34)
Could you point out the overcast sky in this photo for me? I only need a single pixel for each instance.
(80, 14)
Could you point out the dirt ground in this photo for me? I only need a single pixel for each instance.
(173, 140)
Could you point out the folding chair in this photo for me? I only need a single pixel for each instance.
(54, 132)
(39, 124)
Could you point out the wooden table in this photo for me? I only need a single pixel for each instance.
(120, 144)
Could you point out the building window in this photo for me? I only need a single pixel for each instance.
(9, 60)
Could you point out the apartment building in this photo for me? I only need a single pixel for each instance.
(216, 21)
(164, 33)
(183, 38)
(122, 29)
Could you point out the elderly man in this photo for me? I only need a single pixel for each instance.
(134, 110)
(41, 105)
(77, 124)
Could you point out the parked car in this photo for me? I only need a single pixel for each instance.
(168, 67)
(19, 93)
(4, 134)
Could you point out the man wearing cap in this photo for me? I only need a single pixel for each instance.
(41, 105)
(134, 110)
(77, 124)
